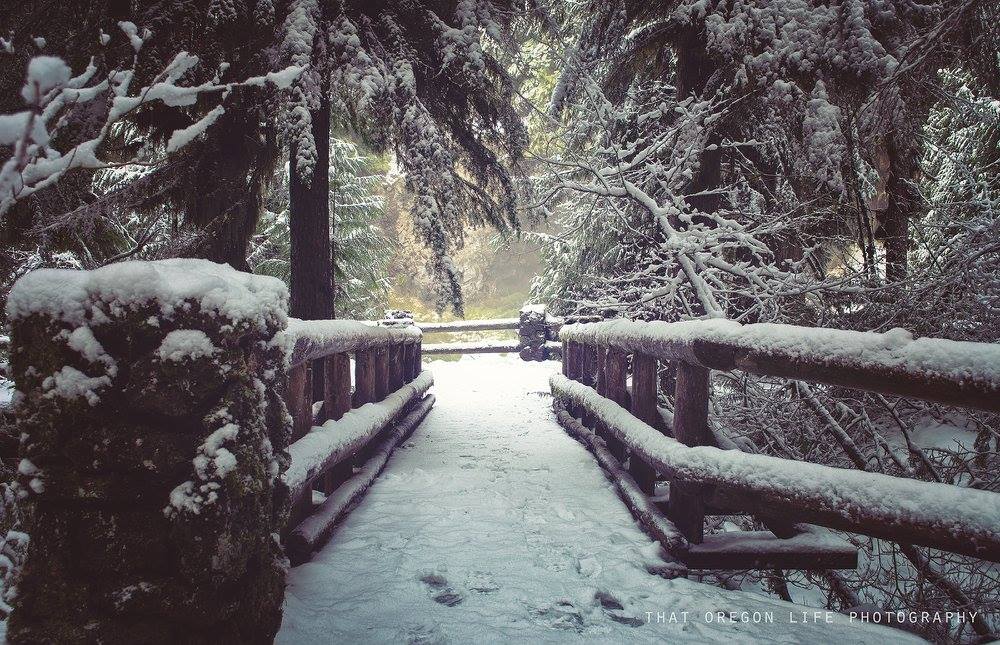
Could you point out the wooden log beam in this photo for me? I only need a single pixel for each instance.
(738, 550)
(941, 516)
(314, 339)
(498, 324)
(923, 371)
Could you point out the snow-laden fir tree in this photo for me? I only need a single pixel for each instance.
(759, 161)
(359, 248)
(424, 79)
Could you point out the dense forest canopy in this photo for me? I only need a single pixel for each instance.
(828, 163)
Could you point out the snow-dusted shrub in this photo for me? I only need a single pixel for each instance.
(153, 439)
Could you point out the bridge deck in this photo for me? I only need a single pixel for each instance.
(492, 525)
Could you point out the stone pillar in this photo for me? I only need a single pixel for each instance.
(532, 333)
(154, 435)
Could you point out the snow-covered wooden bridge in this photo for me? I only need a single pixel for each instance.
(492, 525)
(493, 521)
(156, 447)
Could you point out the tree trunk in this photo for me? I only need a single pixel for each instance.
(901, 206)
(309, 228)
(694, 68)
(309, 222)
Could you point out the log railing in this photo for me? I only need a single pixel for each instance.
(537, 333)
(345, 428)
(631, 439)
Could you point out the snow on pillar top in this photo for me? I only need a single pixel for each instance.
(176, 285)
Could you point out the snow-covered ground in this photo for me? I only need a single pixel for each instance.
(492, 525)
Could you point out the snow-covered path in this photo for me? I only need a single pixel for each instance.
(492, 525)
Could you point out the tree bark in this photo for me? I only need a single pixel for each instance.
(901, 206)
(309, 222)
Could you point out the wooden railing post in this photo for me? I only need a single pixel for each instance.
(588, 376)
(317, 370)
(615, 366)
(364, 377)
(571, 360)
(668, 379)
(643, 408)
(588, 364)
(337, 386)
(300, 399)
(395, 367)
(407, 360)
(381, 373)
(336, 403)
(571, 368)
(686, 508)
(600, 378)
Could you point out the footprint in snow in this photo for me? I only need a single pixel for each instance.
(614, 610)
(425, 634)
(561, 615)
(441, 593)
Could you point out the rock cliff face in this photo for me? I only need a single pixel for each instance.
(154, 434)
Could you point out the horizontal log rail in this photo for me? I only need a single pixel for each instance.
(346, 415)
(458, 326)
(481, 347)
(782, 493)
(952, 372)
(536, 335)
(308, 340)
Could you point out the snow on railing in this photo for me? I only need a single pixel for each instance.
(326, 445)
(315, 529)
(780, 492)
(955, 372)
(311, 339)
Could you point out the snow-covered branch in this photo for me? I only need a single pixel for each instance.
(52, 94)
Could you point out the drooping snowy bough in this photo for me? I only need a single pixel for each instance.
(154, 437)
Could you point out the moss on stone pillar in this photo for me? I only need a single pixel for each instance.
(154, 435)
